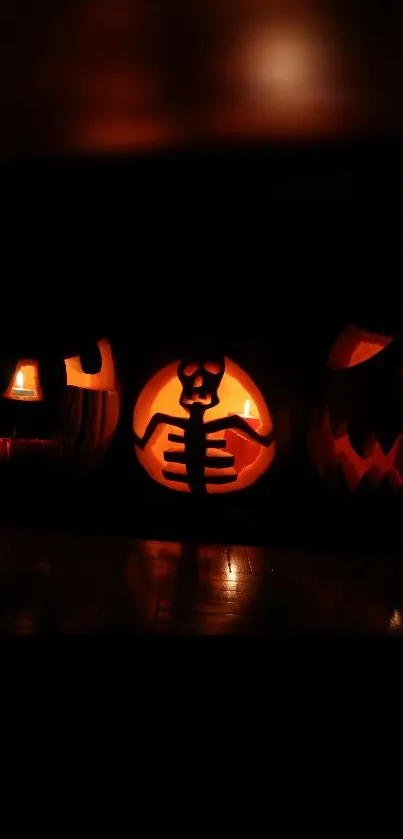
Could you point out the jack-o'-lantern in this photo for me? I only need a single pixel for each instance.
(356, 436)
(202, 426)
(57, 408)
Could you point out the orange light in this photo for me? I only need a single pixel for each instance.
(104, 380)
(354, 346)
(367, 349)
(161, 395)
(25, 384)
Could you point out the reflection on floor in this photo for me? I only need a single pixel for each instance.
(67, 584)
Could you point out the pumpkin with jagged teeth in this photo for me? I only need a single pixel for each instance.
(356, 434)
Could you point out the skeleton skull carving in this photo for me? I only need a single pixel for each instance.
(200, 381)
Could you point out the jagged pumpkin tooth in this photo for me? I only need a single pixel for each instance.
(359, 435)
(387, 433)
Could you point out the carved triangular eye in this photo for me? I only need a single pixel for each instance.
(354, 346)
(93, 369)
(91, 359)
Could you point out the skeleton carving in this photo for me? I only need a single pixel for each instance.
(203, 457)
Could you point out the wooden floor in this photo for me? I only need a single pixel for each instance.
(52, 583)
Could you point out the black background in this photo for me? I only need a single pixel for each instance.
(254, 237)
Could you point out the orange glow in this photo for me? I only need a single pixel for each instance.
(104, 380)
(286, 61)
(354, 346)
(287, 77)
(236, 390)
(396, 621)
(329, 450)
(25, 384)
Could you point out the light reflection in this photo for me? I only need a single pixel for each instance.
(232, 566)
(396, 621)
(285, 62)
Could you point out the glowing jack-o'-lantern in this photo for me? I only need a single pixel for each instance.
(202, 426)
(56, 408)
(357, 430)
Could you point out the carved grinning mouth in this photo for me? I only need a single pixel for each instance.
(363, 435)
(337, 450)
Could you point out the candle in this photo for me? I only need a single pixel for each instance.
(245, 450)
(25, 384)
(253, 421)
(18, 390)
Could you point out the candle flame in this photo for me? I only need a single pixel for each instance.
(25, 382)
(246, 410)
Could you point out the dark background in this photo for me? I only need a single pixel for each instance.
(257, 236)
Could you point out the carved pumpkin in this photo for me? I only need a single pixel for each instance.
(56, 409)
(356, 437)
(202, 426)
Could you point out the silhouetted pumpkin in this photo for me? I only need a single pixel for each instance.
(356, 435)
(57, 407)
